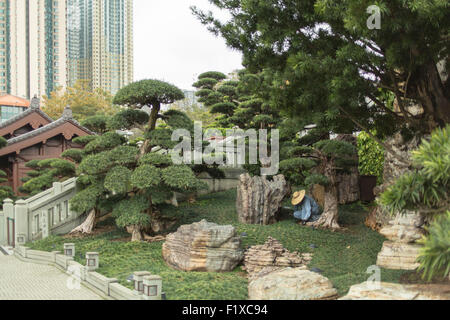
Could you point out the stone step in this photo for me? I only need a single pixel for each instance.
(6, 250)
(399, 256)
(393, 291)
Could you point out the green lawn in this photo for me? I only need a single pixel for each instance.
(343, 256)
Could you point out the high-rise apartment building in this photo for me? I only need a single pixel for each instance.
(45, 44)
(4, 45)
(100, 42)
(35, 32)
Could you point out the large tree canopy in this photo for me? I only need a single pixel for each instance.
(325, 58)
(148, 92)
(151, 93)
(243, 101)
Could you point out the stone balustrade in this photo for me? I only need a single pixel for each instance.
(47, 213)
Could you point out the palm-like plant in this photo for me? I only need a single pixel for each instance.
(435, 256)
(426, 190)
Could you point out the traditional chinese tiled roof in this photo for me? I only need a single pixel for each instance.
(34, 107)
(66, 117)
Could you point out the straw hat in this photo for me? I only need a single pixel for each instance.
(298, 197)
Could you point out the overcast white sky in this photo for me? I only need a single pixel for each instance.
(172, 45)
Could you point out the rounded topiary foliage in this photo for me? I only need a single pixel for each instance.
(127, 119)
(212, 75)
(3, 142)
(97, 123)
(148, 92)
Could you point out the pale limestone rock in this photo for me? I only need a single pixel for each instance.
(399, 256)
(272, 256)
(391, 291)
(259, 200)
(404, 228)
(203, 246)
(291, 284)
(393, 169)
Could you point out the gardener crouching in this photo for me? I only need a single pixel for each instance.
(306, 208)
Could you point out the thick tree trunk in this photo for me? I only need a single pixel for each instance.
(136, 233)
(103, 218)
(258, 200)
(88, 225)
(329, 218)
(433, 96)
(160, 223)
(151, 126)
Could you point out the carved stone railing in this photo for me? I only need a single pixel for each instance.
(47, 213)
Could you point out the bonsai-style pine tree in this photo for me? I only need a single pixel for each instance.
(97, 123)
(426, 189)
(254, 110)
(5, 191)
(217, 94)
(129, 180)
(150, 93)
(315, 159)
(44, 173)
(47, 171)
(241, 103)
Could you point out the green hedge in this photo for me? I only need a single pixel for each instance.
(371, 157)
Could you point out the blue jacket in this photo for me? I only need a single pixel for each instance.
(307, 209)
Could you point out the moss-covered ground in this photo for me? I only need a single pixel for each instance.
(343, 256)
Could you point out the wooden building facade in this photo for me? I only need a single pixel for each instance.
(32, 135)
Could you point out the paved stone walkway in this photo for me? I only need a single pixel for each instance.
(28, 281)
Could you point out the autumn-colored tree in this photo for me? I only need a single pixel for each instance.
(84, 101)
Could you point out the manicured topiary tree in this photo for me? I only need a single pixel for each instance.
(97, 123)
(44, 173)
(254, 110)
(128, 118)
(151, 93)
(217, 94)
(314, 159)
(129, 180)
(242, 102)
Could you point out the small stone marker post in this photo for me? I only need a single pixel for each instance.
(69, 250)
(44, 224)
(152, 287)
(92, 261)
(138, 278)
